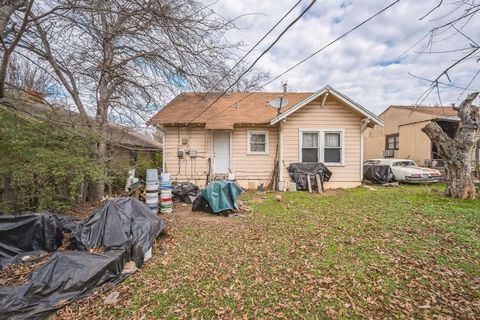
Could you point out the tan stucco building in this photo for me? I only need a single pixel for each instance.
(242, 134)
(402, 135)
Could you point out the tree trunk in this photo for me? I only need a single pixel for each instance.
(7, 8)
(3, 71)
(457, 152)
(459, 181)
(103, 98)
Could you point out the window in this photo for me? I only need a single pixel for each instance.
(310, 147)
(392, 142)
(257, 142)
(406, 163)
(322, 146)
(333, 149)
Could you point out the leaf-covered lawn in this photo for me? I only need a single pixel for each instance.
(403, 252)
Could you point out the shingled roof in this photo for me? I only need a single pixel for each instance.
(233, 108)
(241, 108)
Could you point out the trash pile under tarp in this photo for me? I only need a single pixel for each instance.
(218, 196)
(300, 171)
(185, 192)
(119, 231)
(378, 174)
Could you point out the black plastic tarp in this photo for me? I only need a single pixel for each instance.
(30, 232)
(185, 192)
(298, 173)
(124, 227)
(377, 173)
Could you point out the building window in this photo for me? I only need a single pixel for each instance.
(392, 142)
(257, 142)
(310, 147)
(322, 146)
(333, 148)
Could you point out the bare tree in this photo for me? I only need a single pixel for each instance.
(456, 151)
(128, 57)
(252, 81)
(10, 32)
(24, 76)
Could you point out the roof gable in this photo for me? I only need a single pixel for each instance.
(328, 89)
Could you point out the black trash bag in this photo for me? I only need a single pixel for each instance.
(379, 174)
(298, 173)
(125, 227)
(31, 232)
(185, 192)
(200, 204)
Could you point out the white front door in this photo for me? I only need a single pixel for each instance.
(221, 152)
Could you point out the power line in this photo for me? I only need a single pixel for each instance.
(253, 48)
(256, 60)
(307, 58)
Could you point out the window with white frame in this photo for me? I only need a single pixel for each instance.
(322, 146)
(257, 142)
(333, 147)
(310, 147)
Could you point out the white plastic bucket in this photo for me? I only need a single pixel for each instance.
(166, 191)
(165, 179)
(293, 186)
(152, 175)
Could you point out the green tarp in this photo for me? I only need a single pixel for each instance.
(222, 195)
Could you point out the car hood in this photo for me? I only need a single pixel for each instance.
(420, 170)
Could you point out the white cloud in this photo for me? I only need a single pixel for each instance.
(365, 65)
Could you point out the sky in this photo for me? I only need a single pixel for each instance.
(373, 65)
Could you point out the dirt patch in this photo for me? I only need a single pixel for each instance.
(17, 274)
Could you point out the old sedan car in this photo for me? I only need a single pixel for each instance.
(405, 170)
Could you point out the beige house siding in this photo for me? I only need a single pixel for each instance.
(186, 168)
(414, 144)
(332, 116)
(250, 169)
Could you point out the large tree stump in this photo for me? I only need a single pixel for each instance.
(457, 152)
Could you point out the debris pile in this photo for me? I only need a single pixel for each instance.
(218, 197)
(185, 192)
(117, 235)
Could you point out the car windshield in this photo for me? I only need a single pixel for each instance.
(404, 164)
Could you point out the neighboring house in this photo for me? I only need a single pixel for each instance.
(241, 133)
(402, 135)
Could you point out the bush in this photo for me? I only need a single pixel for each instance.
(47, 165)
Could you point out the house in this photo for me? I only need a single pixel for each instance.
(243, 134)
(402, 135)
